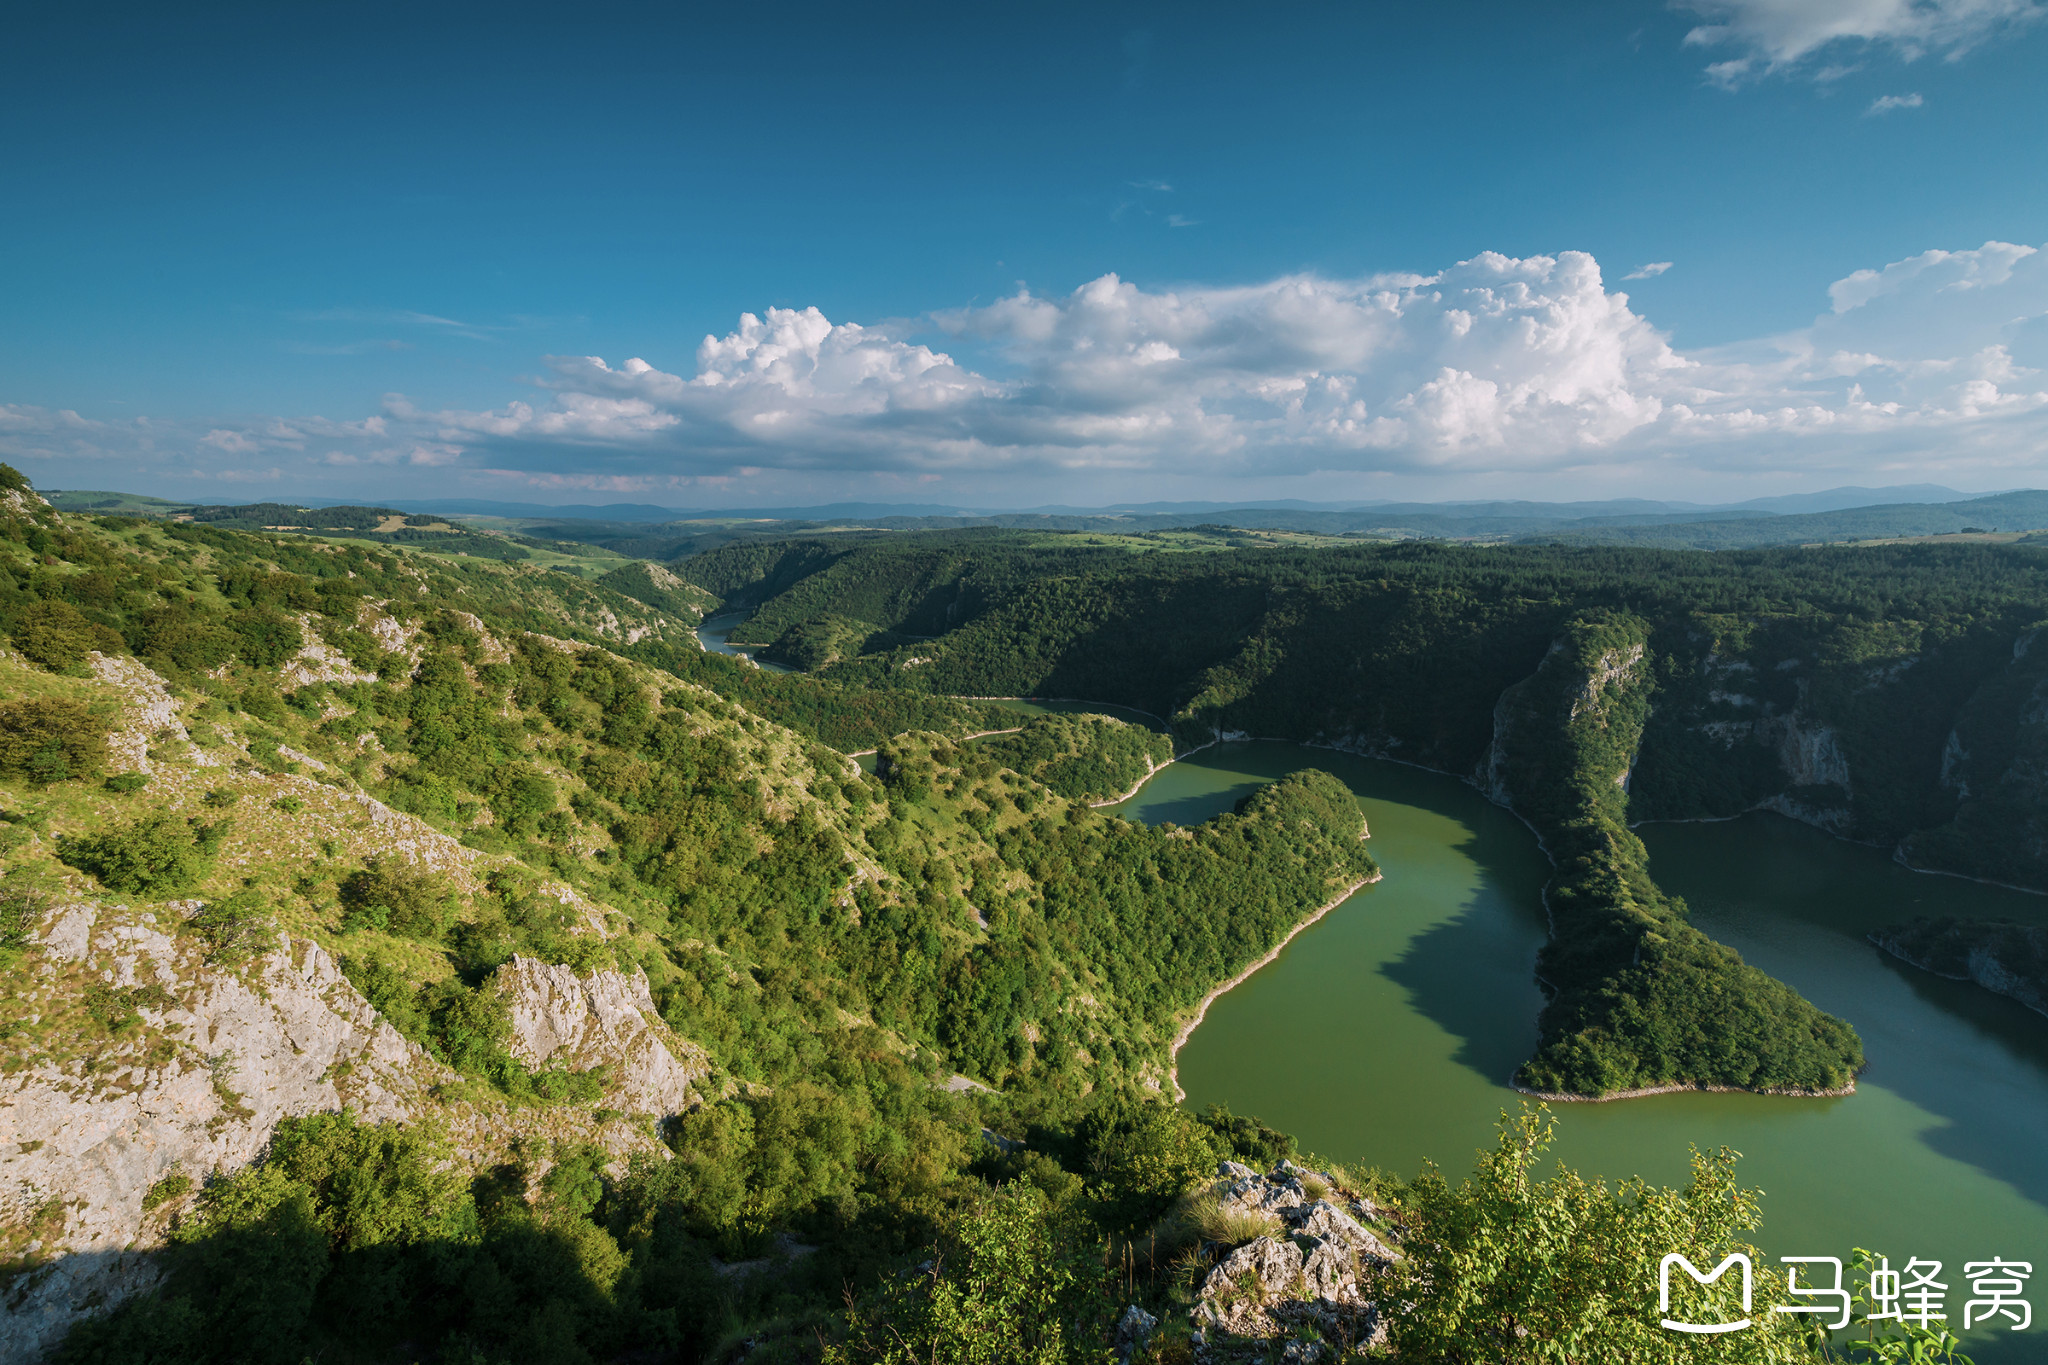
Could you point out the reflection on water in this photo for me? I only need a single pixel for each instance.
(1385, 1034)
(714, 633)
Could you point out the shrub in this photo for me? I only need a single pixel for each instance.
(396, 897)
(54, 634)
(176, 1185)
(22, 906)
(158, 855)
(50, 739)
(221, 796)
(233, 930)
(390, 992)
(176, 635)
(1006, 1287)
(290, 805)
(265, 639)
(127, 782)
(1505, 1259)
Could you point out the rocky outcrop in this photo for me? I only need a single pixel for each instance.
(148, 710)
(90, 1146)
(605, 1020)
(2001, 956)
(1307, 1274)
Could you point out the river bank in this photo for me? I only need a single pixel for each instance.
(1202, 1010)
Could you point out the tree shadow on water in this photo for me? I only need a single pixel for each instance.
(1986, 1131)
(1199, 806)
(1473, 974)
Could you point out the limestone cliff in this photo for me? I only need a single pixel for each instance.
(2010, 959)
(98, 1150)
(606, 1021)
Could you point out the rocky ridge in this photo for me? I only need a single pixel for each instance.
(1300, 1287)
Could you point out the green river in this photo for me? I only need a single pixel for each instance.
(1385, 1034)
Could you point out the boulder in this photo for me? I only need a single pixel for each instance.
(1325, 1222)
(1265, 1196)
(1269, 1266)
(1331, 1272)
(1136, 1326)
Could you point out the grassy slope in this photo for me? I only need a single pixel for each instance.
(793, 966)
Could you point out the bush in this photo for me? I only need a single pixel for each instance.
(158, 855)
(233, 930)
(1505, 1260)
(265, 639)
(22, 906)
(1007, 1288)
(51, 740)
(127, 782)
(55, 634)
(173, 1186)
(394, 896)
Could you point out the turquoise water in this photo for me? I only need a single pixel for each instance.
(1386, 1033)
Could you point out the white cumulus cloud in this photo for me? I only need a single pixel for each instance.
(1495, 365)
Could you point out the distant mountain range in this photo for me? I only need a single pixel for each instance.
(1827, 500)
(1836, 514)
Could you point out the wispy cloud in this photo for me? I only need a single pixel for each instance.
(1157, 186)
(1771, 37)
(1648, 272)
(1884, 104)
(348, 347)
(1182, 220)
(430, 322)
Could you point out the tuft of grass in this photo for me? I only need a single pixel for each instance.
(1200, 1218)
(1314, 1187)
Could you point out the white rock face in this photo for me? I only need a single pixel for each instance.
(292, 1038)
(604, 1019)
(317, 661)
(147, 708)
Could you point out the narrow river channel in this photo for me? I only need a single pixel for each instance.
(1386, 1033)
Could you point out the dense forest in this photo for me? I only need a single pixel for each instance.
(1886, 693)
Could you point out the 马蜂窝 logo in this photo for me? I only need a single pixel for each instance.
(1664, 1291)
(1912, 1296)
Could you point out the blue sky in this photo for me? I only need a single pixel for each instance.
(1359, 250)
